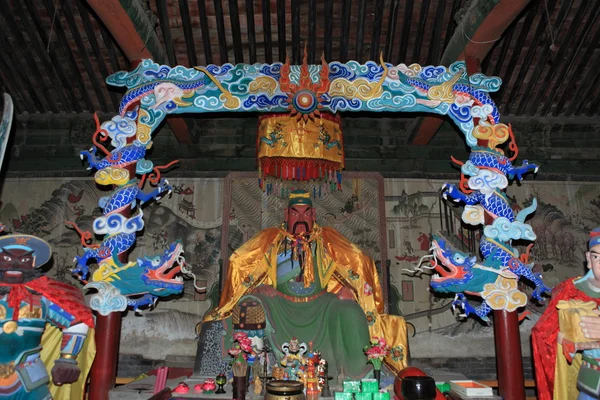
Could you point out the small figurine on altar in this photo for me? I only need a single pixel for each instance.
(566, 338)
(28, 300)
(294, 360)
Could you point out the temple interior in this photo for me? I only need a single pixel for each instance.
(290, 199)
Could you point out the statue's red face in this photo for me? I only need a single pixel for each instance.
(300, 219)
(13, 262)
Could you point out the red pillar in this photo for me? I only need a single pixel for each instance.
(108, 334)
(104, 369)
(511, 382)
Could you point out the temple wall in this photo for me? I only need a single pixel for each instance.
(193, 213)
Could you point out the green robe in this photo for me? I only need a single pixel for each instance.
(337, 328)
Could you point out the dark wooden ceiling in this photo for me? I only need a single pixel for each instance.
(55, 54)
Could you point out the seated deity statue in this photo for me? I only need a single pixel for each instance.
(309, 282)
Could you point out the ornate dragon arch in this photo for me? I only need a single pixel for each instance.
(305, 91)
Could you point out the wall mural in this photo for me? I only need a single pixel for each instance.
(414, 210)
(40, 207)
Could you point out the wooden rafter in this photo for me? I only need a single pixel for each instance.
(99, 58)
(236, 31)
(281, 39)
(346, 9)
(266, 16)
(83, 53)
(251, 30)
(542, 60)
(360, 34)
(26, 55)
(391, 31)
(163, 17)
(568, 66)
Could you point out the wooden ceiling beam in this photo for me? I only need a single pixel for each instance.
(91, 36)
(516, 53)
(477, 32)
(506, 41)
(163, 18)
(83, 53)
(420, 31)
(116, 18)
(266, 17)
(451, 24)
(575, 73)
(281, 39)
(112, 51)
(206, 33)
(360, 34)
(376, 36)
(236, 31)
(537, 100)
(40, 40)
(312, 30)
(346, 8)
(328, 14)
(543, 58)
(406, 22)
(296, 32)
(585, 88)
(220, 17)
(525, 65)
(433, 55)
(188, 33)
(27, 56)
(391, 32)
(68, 55)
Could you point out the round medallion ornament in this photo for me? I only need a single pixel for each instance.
(10, 327)
(305, 101)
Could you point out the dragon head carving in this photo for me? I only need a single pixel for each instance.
(164, 270)
(454, 269)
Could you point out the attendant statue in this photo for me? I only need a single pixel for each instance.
(29, 300)
(314, 285)
(566, 339)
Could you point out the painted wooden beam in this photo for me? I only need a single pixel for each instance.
(127, 21)
(474, 37)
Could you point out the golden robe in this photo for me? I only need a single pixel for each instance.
(339, 264)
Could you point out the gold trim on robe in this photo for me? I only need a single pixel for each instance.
(255, 263)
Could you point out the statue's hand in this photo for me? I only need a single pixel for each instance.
(64, 372)
(265, 290)
(591, 326)
(345, 294)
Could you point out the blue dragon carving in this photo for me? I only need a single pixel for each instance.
(118, 158)
(479, 96)
(486, 158)
(111, 246)
(495, 204)
(508, 257)
(461, 273)
(147, 279)
(127, 195)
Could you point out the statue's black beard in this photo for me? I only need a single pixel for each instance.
(28, 275)
(299, 223)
